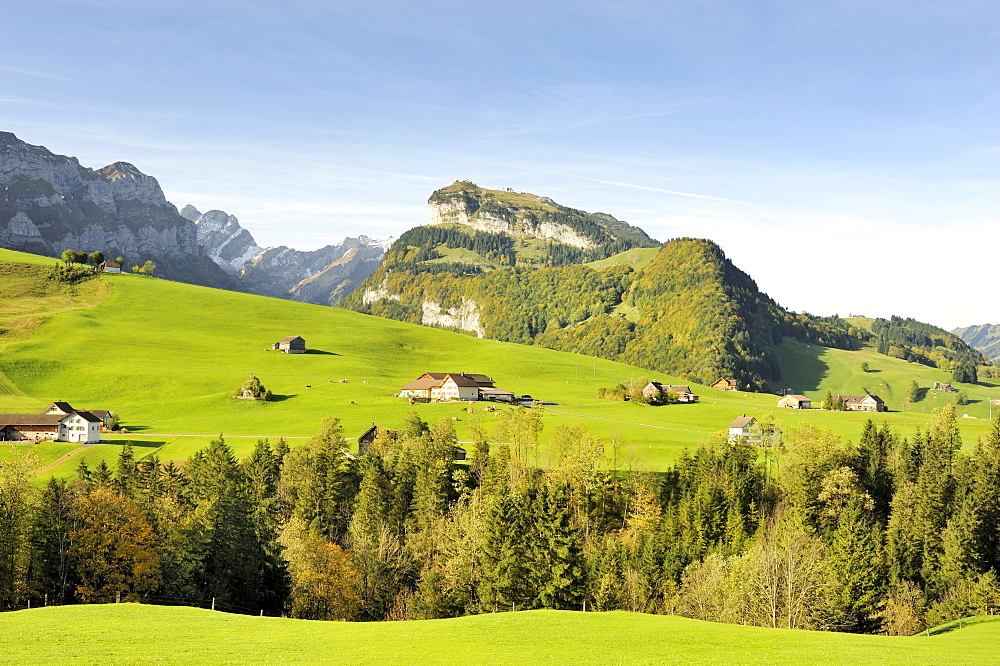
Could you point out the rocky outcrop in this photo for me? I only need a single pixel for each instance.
(525, 215)
(50, 202)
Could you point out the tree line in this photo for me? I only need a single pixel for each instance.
(889, 534)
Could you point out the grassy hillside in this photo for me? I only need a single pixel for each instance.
(812, 370)
(161, 635)
(167, 356)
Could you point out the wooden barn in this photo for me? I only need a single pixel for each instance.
(293, 344)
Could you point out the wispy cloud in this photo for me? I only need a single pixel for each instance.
(676, 193)
(33, 72)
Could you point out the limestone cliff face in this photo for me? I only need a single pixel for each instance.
(529, 216)
(509, 219)
(50, 202)
(464, 317)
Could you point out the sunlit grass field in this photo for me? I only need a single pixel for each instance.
(167, 357)
(130, 633)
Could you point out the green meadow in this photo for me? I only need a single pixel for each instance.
(130, 634)
(167, 357)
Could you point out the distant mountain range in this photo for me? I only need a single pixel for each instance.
(984, 337)
(50, 203)
(322, 276)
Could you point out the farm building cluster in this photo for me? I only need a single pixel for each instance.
(852, 403)
(59, 422)
(681, 391)
(441, 386)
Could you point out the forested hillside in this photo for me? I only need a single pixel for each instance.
(688, 312)
(514, 267)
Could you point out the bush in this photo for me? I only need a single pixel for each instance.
(71, 274)
(252, 389)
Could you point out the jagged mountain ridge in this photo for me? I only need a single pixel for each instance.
(322, 276)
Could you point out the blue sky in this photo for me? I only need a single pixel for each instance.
(845, 154)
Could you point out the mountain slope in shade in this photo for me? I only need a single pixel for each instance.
(984, 337)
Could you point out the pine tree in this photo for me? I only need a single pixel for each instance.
(860, 579)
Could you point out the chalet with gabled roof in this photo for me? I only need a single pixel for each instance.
(748, 430)
(724, 384)
(60, 407)
(795, 401)
(454, 386)
(108, 267)
(51, 426)
(862, 403)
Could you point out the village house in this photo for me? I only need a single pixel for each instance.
(742, 428)
(61, 407)
(292, 344)
(795, 401)
(109, 267)
(947, 388)
(454, 386)
(862, 403)
(682, 391)
(55, 426)
(724, 384)
(748, 430)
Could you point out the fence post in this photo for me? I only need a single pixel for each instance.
(213, 603)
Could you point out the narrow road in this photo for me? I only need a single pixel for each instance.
(62, 459)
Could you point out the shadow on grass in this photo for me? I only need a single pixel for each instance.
(140, 444)
(277, 397)
(321, 352)
(810, 369)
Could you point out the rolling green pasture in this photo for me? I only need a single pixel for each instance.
(167, 356)
(130, 633)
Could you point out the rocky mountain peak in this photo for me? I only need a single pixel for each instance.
(121, 170)
(189, 212)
